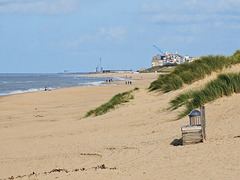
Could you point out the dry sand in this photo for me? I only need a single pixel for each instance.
(42, 133)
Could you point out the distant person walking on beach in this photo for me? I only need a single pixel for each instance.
(45, 88)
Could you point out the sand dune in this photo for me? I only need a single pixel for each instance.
(44, 133)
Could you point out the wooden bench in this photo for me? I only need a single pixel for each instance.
(195, 132)
(191, 134)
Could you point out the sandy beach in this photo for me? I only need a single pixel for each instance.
(43, 135)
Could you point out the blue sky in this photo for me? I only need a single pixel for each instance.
(54, 35)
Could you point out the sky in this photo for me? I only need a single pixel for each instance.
(48, 36)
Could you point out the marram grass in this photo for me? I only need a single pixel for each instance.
(188, 73)
(112, 103)
(224, 85)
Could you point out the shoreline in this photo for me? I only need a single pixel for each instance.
(107, 75)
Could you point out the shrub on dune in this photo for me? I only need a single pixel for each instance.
(224, 85)
(112, 103)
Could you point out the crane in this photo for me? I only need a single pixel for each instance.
(158, 49)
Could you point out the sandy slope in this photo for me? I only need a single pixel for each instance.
(42, 131)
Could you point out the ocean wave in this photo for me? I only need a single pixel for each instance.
(95, 83)
(3, 82)
(23, 91)
(119, 79)
(17, 82)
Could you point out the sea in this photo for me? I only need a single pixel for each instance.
(13, 83)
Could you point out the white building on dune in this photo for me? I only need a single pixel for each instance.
(162, 59)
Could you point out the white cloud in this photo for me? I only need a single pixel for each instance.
(193, 12)
(229, 5)
(76, 42)
(34, 45)
(177, 39)
(113, 33)
(89, 42)
(39, 6)
(150, 8)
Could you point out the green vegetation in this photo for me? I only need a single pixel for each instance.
(224, 85)
(116, 100)
(188, 73)
(167, 68)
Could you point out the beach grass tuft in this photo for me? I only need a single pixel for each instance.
(188, 73)
(223, 85)
(118, 99)
(167, 68)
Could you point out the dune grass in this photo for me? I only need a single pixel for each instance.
(112, 103)
(167, 68)
(188, 73)
(224, 85)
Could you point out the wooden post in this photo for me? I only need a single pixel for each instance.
(203, 121)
